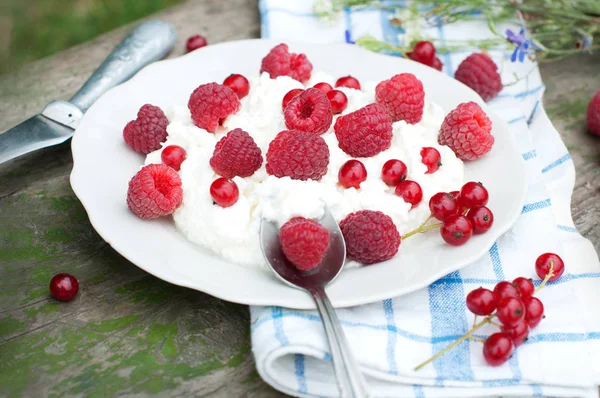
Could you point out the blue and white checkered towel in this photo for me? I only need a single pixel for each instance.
(562, 355)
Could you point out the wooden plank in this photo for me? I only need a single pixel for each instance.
(128, 332)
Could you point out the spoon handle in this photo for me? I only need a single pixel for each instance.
(350, 379)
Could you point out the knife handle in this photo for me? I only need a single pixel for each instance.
(146, 43)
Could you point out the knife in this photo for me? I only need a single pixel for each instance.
(146, 43)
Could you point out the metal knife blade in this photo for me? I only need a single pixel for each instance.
(146, 43)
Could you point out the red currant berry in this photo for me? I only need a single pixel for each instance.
(437, 64)
(482, 219)
(431, 158)
(339, 101)
(348, 81)
(173, 156)
(498, 348)
(547, 260)
(195, 42)
(461, 208)
(534, 311)
(393, 172)
(510, 311)
(518, 333)
(239, 84)
(224, 192)
(352, 173)
(64, 287)
(324, 87)
(524, 286)
(505, 289)
(423, 52)
(410, 191)
(443, 205)
(456, 230)
(473, 194)
(290, 96)
(481, 301)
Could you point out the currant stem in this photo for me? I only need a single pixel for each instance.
(477, 339)
(475, 321)
(421, 229)
(549, 275)
(464, 337)
(495, 324)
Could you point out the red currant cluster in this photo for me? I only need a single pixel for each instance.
(337, 98)
(462, 214)
(424, 52)
(515, 307)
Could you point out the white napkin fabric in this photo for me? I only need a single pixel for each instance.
(389, 338)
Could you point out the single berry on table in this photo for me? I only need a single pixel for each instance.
(481, 301)
(148, 131)
(505, 289)
(410, 191)
(547, 260)
(480, 73)
(339, 101)
(403, 96)
(324, 87)
(431, 158)
(443, 205)
(298, 155)
(473, 194)
(304, 242)
(510, 311)
(352, 173)
(154, 191)
(195, 42)
(173, 156)
(224, 192)
(239, 84)
(437, 64)
(64, 287)
(370, 236)
(534, 311)
(467, 131)
(236, 154)
(290, 95)
(517, 333)
(423, 52)
(309, 111)
(364, 132)
(498, 348)
(210, 104)
(593, 114)
(280, 62)
(482, 219)
(524, 286)
(456, 230)
(393, 172)
(348, 81)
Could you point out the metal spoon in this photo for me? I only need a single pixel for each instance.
(349, 378)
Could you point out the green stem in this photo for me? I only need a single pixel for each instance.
(549, 275)
(421, 229)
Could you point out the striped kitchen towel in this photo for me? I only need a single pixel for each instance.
(562, 355)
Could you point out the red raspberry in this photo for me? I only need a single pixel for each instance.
(370, 236)
(466, 130)
(145, 133)
(279, 62)
(365, 132)
(298, 155)
(403, 96)
(236, 154)
(593, 114)
(304, 242)
(309, 111)
(154, 191)
(480, 73)
(210, 103)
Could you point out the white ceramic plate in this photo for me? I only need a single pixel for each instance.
(103, 165)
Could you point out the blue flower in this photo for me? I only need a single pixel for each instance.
(522, 44)
(348, 36)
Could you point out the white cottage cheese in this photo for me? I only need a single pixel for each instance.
(233, 232)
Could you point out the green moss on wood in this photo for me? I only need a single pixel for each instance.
(9, 325)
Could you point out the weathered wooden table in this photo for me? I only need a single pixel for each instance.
(129, 333)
